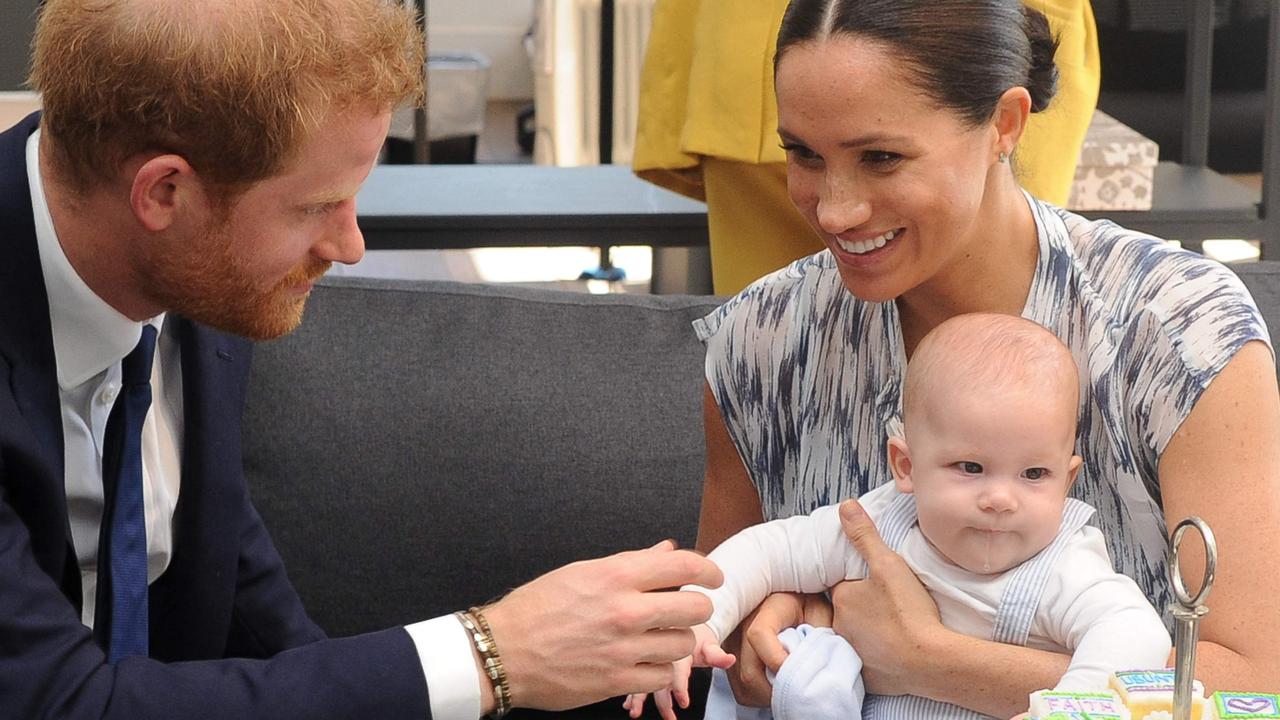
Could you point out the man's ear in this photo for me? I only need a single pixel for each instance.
(1010, 119)
(900, 464)
(162, 188)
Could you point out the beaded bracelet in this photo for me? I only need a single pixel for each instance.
(477, 627)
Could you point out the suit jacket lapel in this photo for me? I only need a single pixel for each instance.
(214, 375)
(189, 601)
(26, 346)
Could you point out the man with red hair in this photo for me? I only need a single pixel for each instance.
(193, 173)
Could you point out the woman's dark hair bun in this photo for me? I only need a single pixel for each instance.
(1042, 77)
(963, 54)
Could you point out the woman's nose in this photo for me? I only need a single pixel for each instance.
(842, 206)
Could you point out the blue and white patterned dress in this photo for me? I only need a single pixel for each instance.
(809, 378)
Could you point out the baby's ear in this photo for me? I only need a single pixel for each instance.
(900, 464)
(1073, 470)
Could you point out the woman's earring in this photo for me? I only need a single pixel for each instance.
(1003, 157)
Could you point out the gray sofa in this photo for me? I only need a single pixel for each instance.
(416, 448)
(419, 447)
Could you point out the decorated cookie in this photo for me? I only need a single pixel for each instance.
(1232, 705)
(1146, 692)
(1059, 705)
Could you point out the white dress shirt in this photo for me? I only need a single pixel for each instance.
(90, 338)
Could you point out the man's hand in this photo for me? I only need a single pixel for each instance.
(707, 653)
(600, 628)
(888, 616)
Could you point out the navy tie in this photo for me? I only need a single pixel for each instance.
(122, 568)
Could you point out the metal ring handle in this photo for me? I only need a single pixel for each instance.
(1210, 562)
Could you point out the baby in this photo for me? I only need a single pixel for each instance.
(978, 509)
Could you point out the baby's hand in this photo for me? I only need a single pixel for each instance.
(706, 653)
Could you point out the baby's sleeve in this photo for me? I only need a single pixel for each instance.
(802, 553)
(1101, 616)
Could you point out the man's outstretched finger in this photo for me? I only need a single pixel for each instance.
(674, 608)
(655, 569)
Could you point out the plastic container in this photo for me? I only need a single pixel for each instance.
(457, 89)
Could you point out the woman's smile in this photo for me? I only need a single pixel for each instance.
(862, 244)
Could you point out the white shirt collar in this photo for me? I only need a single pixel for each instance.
(89, 335)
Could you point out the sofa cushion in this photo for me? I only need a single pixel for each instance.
(418, 447)
(1263, 281)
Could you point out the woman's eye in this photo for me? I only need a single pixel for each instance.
(1035, 473)
(970, 468)
(881, 159)
(800, 153)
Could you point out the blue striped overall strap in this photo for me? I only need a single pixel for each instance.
(1014, 617)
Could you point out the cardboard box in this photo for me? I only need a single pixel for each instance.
(1116, 168)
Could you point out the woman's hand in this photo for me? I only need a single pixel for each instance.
(888, 616)
(893, 622)
(761, 650)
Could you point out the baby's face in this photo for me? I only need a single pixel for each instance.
(990, 472)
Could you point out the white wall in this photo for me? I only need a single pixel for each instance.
(494, 28)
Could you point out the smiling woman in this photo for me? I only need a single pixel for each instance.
(707, 124)
(899, 118)
(885, 180)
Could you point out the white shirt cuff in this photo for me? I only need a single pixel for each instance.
(445, 651)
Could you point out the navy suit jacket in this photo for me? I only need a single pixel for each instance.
(229, 637)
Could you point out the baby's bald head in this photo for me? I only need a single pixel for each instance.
(990, 353)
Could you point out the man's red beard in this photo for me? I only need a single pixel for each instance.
(218, 289)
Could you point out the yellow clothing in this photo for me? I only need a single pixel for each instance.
(707, 92)
(753, 226)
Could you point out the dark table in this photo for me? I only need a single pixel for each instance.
(442, 207)
(1193, 204)
(439, 207)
